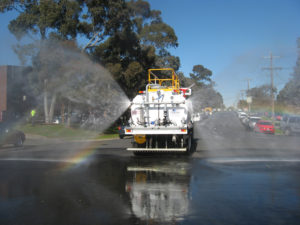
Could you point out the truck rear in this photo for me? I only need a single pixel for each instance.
(161, 115)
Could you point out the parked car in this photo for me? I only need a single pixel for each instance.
(245, 120)
(291, 125)
(242, 115)
(252, 121)
(196, 117)
(11, 136)
(283, 122)
(264, 126)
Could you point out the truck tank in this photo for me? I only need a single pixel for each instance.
(161, 115)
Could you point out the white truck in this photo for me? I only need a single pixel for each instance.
(161, 115)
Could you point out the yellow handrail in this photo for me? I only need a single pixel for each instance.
(155, 80)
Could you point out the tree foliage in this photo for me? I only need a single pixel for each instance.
(200, 75)
(261, 97)
(103, 19)
(127, 37)
(242, 104)
(44, 18)
(149, 26)
(141, 43)
(206, 96)
(290, 94)
(204, 93)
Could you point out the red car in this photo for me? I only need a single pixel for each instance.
(264, 126)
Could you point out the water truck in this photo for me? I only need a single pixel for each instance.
(161, 115)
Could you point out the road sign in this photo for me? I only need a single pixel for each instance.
(249, 100)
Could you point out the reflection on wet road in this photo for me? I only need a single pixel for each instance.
(159, 189)
(43, 184)
(203, 192)
(108, 190)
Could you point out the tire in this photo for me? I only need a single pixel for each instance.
(19, 141)
(189, 144)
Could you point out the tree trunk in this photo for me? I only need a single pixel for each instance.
(52, 107)
(46, 102)
(62, 113)
(69, 114)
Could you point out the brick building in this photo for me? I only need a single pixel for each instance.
(15, 98)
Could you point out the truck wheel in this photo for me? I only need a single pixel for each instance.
(189, 144)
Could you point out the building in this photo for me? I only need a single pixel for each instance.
(15, 98)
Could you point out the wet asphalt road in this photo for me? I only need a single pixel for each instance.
(233, 177)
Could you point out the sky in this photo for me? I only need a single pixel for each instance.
(229, 37)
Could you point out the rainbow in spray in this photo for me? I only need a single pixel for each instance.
(79, 157)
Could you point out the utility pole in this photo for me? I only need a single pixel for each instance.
(248, 82)
(249, 100)
(241, 96)
(271, 68)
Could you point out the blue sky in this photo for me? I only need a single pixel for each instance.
(230, 37)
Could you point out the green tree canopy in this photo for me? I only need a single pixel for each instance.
(204, 94)
(149, 26)
(42, 19)
(201, 75)
(261, 96)
(139, 44)
(290, 94)
(242, 104)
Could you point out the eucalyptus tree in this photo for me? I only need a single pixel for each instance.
(139, 42)
(290, 94)
(200, 75)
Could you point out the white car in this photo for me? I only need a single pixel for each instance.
(196, 117)
(242, 115)
(245, 120)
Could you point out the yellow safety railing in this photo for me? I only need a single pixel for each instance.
(153, 79)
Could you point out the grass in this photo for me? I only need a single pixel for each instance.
(278, 131)
(60, 131)
(266, 118)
